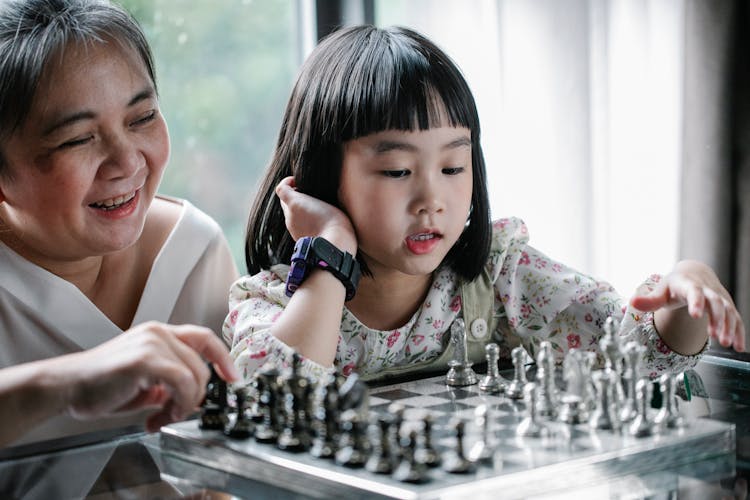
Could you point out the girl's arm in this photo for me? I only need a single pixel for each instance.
(689, 305)
(311, 321)
(153, 366)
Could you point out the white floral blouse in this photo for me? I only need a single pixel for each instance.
(539, 298)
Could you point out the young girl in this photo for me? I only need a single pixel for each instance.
(379, 156)
(87, 249)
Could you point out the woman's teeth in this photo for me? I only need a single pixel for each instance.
(422, 237)
(113, 203)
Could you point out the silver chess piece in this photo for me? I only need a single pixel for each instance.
(481, 451)
(492, 382)
(641, 426)
(633, 354)
(519, 356)
(669, 415)
(545, 377)
(577, 400)
(531, 426)
(460, 372)
(605, 415)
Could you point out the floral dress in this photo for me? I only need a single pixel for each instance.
(537, 298)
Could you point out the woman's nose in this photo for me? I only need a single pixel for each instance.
(123, 159)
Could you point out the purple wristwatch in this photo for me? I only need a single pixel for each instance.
(311, 252)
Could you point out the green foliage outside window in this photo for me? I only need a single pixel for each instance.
(224, 71)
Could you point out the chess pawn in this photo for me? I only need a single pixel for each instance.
(633, 354)
(612, 351)
(268, 429)
(492, 382)
(669, 415)
(604, 416)
(515, 388)
(530, 426)
(396, 410)
(460, 372)
(455, 461)
(641, 426)
(214, 408)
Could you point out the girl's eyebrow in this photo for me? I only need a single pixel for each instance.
(66, 120)
(386, 146)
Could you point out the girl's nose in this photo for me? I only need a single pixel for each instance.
(428, 198)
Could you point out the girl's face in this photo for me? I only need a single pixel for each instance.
(84, 167)
(408, 196)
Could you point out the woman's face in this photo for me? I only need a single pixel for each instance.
(85, 166)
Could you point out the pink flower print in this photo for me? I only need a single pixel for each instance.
(417, 339)
(574, 341)
(258, 354)
(589, 318)
(513, 321)
(525, 310)
(437, 324)
(556, 267)
(505, 298)
(500, 224)
(455, 303)
(655, 278)
(233, 317)
(540, 263)
(524, 260)
(427, 304)
(392, 338)
(662, 347)
(276, 316)
(347, 369)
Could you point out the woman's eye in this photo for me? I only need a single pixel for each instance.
(453, 170)
(396, 174)
(75, 142)
(146, 118)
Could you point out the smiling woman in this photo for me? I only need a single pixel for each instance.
(87, 247)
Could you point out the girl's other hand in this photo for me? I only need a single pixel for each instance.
(694, 285)
(309, 216)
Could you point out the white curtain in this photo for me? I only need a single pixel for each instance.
(580, 104)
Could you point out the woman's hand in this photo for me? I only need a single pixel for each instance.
(153, 365)
(308, 216)
(695, 286)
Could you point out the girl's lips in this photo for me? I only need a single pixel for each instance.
(422, 243)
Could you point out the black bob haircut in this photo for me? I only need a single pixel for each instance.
(358, 81)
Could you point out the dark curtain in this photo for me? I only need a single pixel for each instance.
(715, 201)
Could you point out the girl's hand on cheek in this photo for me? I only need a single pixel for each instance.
(694, 285)
(309, 216)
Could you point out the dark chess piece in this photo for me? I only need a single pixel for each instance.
(242, 427)
(455, 461)
(381, 461)
(396, 410)
(352, 450)
(325, 420)
(214, 407)
(425, 452)
(268, 429)
(296, 389)
(409, 470)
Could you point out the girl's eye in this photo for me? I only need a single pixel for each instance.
(75, 142)
(453, 170)
(395, 174)
(146, 118)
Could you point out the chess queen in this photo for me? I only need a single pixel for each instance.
(87, 247)
(379, 171)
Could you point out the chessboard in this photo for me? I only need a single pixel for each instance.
(498, 460)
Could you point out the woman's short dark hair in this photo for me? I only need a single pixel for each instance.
(32, 32)
(356, 82)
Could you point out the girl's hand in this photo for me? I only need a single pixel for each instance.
(694, 285)
(308, 216)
